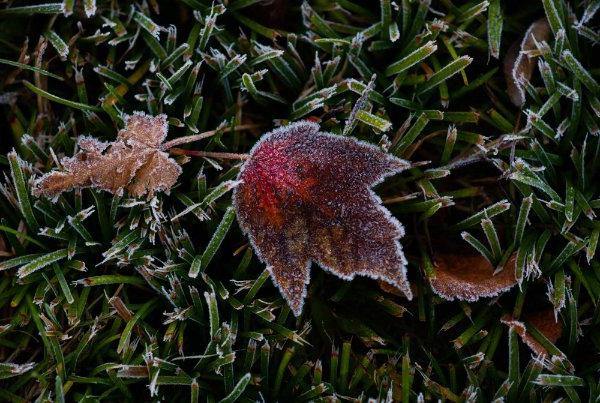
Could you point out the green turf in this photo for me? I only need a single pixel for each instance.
(96, 296)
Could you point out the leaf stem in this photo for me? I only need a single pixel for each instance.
(196, 137)
(209, 154)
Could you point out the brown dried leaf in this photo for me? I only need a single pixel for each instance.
(519, 65)
(470, 277)
(134, 161)
(544, 321)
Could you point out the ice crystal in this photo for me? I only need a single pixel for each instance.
(305, 196)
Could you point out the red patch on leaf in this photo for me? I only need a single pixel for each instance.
(305, 196)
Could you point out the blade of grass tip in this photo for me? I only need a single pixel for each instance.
(194, 391)
(445, 73)
(410, 136)
(63, 283)
(217, 237)
(488, 212)
(146, 23)
(22, 235)
(359, 372)
(111, 279)
(553, 16)
(22, 191)
(41, 262)
(559, 294)
(195, 267)
(139, 315)
(18, 261)
(213, 312)
(493, 240)
(569, 202)
(374, 121)
(237, 390)
(265, 354)
(386, 17)
(573, 322)
(31, 68)
(333, 365)
(361, 103)
(442, 87)
(59, 100)
(558, 380)
(478, 246)
(258, 283)
(51, 8)
(58, 44)
(449, 144)
(494, 26)
(522, 219)
(89, 7)
(176, 54)
(580, 72)
(592, 244)
(344, 367)
(410, 60)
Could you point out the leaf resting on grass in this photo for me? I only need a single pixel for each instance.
(305, 197)
(469, 278)
(544, 321)
(133, 162)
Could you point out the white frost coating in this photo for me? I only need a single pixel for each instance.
(519, 79)
(90, 7)
(400, 165)
(473, 296)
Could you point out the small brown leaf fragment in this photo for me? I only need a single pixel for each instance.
(470, 277)
(544, 321)
(519, 64)
(133, 162)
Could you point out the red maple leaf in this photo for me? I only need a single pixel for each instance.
(305, 196)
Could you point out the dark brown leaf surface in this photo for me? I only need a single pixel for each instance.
(133, 162)
(305, 196)
(470, 277)
(544, 321)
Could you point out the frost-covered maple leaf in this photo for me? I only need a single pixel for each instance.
(305, 196)
(134, 161)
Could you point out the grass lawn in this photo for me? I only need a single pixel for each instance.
(149, 253)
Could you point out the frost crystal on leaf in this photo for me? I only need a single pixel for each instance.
(305, 196)
(519, 61)
(134, 161)
(469, 278)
